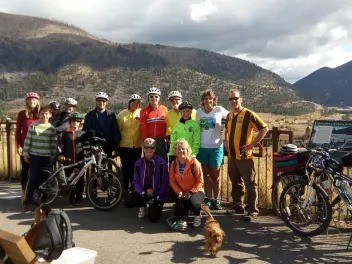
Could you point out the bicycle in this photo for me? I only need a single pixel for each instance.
(285, 178)
(305, 204)
(101, 181)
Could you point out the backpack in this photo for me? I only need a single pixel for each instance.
(50, 234)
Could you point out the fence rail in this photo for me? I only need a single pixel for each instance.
(10, 164)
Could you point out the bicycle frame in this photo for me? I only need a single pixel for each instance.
(74, 178)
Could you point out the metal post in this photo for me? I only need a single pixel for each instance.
(9, 148)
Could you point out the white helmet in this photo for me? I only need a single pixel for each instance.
(134, 97)
(154, 90)
(101, 95)
(70, 101)
(173, 94)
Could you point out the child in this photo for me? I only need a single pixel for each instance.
(40, 147)
(187, 129)
(72, 152)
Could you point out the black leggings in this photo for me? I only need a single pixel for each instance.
(24, 173)
(128, 157)
(182, 206)
(133, 199)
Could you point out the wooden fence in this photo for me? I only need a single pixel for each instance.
(10, 162)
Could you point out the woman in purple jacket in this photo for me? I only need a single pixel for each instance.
(150, 182)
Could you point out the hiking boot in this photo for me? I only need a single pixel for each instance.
(250, 217)
(141, 212)
(236, 209)
(217, 205)
(197, 220)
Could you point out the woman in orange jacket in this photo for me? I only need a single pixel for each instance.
(186, 179)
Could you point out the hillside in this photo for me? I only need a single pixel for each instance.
(328, 86)
(58, 60)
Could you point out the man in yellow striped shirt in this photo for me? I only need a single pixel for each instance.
(241, 122)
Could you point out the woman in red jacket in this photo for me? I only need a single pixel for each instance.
(24, 119)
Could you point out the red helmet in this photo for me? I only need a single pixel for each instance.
(32, 95)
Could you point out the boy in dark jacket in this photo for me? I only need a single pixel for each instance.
(72, 152)
(150, 182)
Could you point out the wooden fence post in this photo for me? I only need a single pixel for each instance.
(9, 148)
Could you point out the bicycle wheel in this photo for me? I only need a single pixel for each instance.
(279, 184)
(309, 221)
(111, 164)
(104, 190)
(48, 191)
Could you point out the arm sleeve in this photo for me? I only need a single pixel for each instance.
(143, 123)
(115, 129)
(87, 124)
(28, 141)
(168, 125)
(196, 140)
(199, 177)
(18, 129)
(63, 127)
(257, 122)
(173, 182)
(166, 177)
(53, 143)
(136, 181)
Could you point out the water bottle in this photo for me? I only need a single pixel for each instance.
(346, 189)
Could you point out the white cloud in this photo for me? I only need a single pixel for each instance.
(292, 38)
(200, 12)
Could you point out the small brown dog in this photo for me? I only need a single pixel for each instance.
(213, 233)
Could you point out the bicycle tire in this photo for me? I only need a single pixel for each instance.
(115, 168)
(274, 187)
(54, 190)
(319, 193)
(92, 192)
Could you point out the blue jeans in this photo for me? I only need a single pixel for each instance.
(36, 175)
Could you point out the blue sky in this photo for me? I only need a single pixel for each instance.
(290, 37)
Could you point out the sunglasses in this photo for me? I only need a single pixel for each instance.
(149, 147)
(154, 96)
(234, 98)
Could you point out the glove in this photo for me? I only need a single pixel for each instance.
(187, 196)
(147, 196)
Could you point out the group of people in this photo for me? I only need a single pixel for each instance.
(183, 150)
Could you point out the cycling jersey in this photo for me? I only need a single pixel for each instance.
(153, 122)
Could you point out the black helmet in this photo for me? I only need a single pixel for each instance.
(55, 105)
(185, 105)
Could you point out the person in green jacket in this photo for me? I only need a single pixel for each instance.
(187, 129)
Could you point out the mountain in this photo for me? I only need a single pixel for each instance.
(57, 60)
(328, 86)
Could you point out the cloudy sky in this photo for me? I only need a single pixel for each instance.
(290, 37)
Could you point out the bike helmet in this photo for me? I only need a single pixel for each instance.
(70, 101)
(174, 94)
(75, 115)
(154, 90)
(134, 97)
(55, 105)
(185, 105)
(32, 95)
(102, 95)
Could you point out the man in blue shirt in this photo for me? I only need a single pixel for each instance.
(104, 123)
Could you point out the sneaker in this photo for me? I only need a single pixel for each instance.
(197, 220)
(27, 208)
(208, 202)
(217, 205)
(250, 217)
(72, 202)
(141, 212)
(177, 224)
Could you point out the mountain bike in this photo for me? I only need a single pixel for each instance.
(305, 204)
(104, 188)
